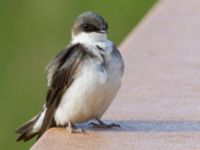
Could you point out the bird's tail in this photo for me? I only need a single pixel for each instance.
(26, 130)
(31, 128)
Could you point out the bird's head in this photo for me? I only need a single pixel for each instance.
(89, 23)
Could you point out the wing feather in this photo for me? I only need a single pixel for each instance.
(62, 75)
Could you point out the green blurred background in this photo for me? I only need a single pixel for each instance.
(31, 33)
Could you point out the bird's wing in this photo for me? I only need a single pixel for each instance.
(118, 55)
(62, 70)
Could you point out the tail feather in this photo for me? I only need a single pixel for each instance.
(27, 125)
(26, 136)
(26, 130)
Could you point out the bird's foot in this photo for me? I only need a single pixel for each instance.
(102, 125)
(75, 130)
(72, 129)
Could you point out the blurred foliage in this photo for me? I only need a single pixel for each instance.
(31, 33)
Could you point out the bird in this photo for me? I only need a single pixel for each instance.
(82, 80)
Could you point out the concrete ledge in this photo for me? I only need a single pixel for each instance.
(158, 105)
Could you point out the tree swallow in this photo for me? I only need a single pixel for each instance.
(83, 79)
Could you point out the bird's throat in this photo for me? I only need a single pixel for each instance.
(89, 38)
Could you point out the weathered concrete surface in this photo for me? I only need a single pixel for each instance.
(158, 105)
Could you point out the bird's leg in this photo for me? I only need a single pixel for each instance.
(72, 129)
(102, 125)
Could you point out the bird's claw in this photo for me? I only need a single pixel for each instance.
(104, 126)
(72, 129)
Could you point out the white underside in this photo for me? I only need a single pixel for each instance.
(38, 124)
(94, 87)
(88, 97)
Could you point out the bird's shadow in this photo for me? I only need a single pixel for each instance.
(148, 126)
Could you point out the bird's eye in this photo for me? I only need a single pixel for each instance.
(89, 28)
(85, 26)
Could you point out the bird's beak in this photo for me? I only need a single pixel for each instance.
(103, 31)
